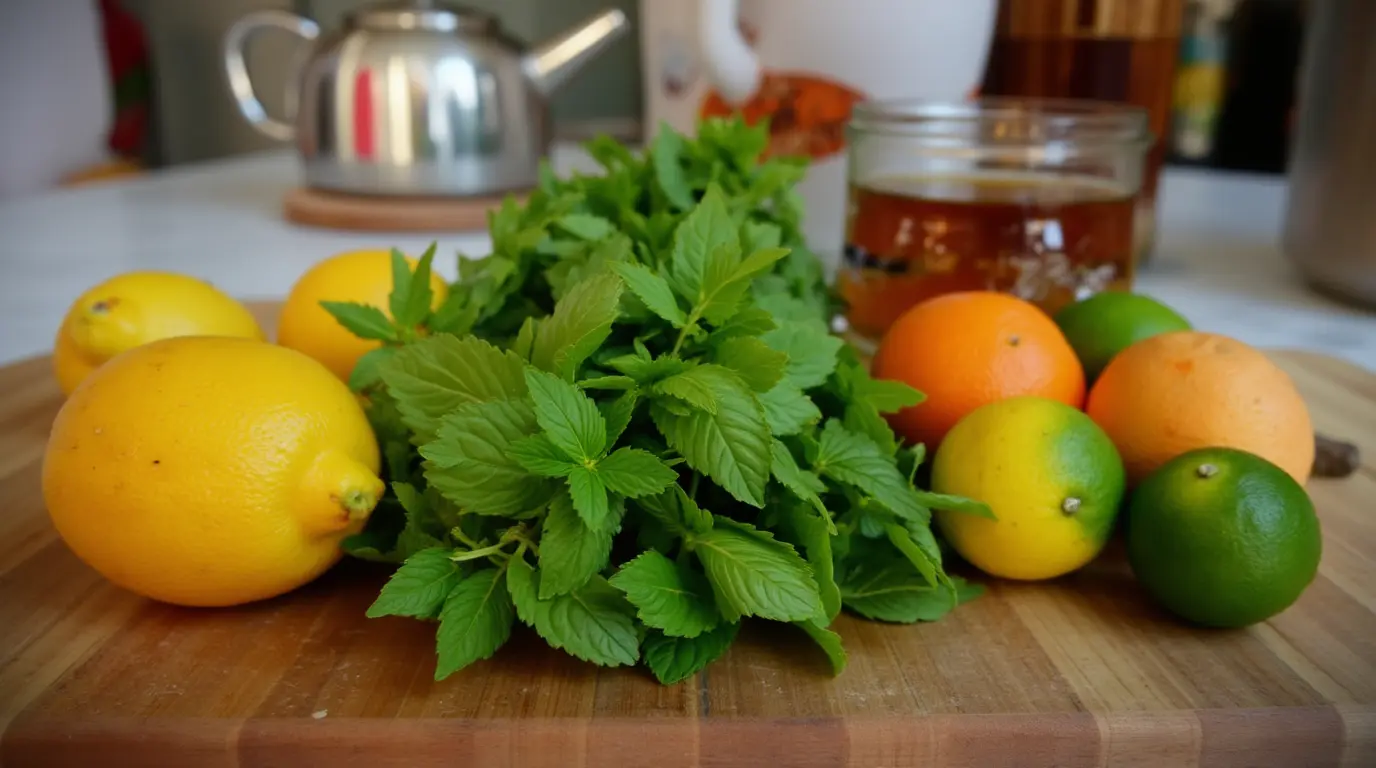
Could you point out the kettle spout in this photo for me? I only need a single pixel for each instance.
(555, 61)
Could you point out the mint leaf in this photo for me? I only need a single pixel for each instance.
(569, 417)
(418, 588)
(898, 536)
(730, 446)
(570, 551)
(579, 261)
(756, 235)
(436, 376)
(811, 353)
(704, 230)
(401, 285)
(698, 386)
(539, 456)
(646, 370)
(362, 320)
(469, 461)
(952, 503)
(850, 458)
(589, 497)
(414, 538)
(367, 371)
(677, 512)
(879, 585)
(965, 590)
(723, 285)
(726, 280)
(664, 154)
(635, 473)
(474, 622)
(653, 290)
(411, 305)
(787, 410)
(753, 574)
(787, 309)
(674, 659)
(399, 528)
(885, 396)
(593, 623)
(581, 321)
(691, 387)
(801, 482)
(813, 534)
(759, 261)
(617, 413)
(760, 366)
(863, 419)
(828, 641)
(525, 338)
(896, 594)
(672, 598)
(750, 321)
(586, 227)
(612, 383)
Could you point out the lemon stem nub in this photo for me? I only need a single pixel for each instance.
(1070, 506)
(1206, 470)
(338, 493)
(358, 503)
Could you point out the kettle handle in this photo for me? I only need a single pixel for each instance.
(241, 85)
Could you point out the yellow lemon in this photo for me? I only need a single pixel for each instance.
(138, 307)
(1049, 473)
(210, 471)
(363, 277)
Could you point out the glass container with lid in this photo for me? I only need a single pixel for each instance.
(1033, 197)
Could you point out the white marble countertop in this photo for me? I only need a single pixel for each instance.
(1217, 261)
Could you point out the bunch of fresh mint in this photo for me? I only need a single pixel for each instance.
(629, 427)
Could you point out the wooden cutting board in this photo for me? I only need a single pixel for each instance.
(1082, 671)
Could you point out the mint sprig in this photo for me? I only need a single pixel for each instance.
(629, 428)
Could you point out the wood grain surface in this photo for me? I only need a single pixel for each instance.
(1080, 671)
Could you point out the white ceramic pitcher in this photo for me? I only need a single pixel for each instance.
(803, 63)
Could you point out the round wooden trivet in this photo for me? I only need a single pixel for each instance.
(363, 213)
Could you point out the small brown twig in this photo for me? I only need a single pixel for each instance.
(1335, 458)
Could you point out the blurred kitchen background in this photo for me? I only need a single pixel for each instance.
(159, 64)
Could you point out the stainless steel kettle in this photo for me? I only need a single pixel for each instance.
(414, 99)
(1330, 224)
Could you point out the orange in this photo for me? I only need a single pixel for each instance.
(209, 470)
(967, 349)
(1179, 391)
(363, 277)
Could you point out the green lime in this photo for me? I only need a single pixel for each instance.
(1222, 537)
(1105, 324)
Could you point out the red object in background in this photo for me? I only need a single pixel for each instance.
(126, 49)
(363, 114)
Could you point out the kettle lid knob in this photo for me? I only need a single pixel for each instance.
(418, 15)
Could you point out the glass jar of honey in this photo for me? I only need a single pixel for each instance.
(1027, 196)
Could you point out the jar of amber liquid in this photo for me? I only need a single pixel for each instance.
(1027, 196)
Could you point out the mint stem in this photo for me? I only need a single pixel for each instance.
(683, 332)
(474, 554)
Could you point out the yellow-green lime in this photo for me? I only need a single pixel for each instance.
(1049, 474)
(1222, 537)
(1105, 324)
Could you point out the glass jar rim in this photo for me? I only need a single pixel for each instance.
(1005, 120)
